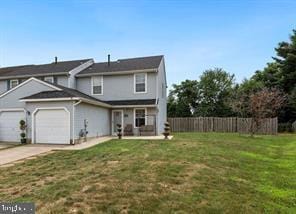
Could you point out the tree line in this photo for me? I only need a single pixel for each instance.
(269, 92)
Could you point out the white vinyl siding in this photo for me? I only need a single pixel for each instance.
(98, 120)
(119, 87)
(9, 125)
(140, 83)
(97, 85)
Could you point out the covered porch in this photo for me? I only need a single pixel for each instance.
(135, 121)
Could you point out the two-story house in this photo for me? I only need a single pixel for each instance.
(62, 101)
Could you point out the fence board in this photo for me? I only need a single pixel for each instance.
(294, 126)
(222, 124)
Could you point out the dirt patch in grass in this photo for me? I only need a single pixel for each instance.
(112, 163)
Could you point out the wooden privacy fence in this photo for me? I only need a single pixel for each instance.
(294, 126)
(222, 124)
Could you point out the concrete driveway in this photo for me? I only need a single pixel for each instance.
(4, 145)
(11, 155)
(22, 152)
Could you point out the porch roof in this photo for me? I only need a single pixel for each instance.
(72, 93)
(132, 102)
(64, 93)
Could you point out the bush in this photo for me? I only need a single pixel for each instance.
(22, 122)
(285, 127)
(23, 127)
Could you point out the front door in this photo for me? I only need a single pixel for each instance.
(117, 118)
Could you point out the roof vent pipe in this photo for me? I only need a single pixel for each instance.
(55, 60)
(108, 60)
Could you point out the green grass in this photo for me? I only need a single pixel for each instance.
(204, 173)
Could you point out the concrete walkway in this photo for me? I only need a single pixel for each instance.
(159, 137)
(85, 145)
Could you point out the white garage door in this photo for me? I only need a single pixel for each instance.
(52, 126)
(9, 125)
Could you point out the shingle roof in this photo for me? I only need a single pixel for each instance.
(141, 63)
(59, 67)
(13, 68)
(64, 93)
(132, 102)
(49, 94)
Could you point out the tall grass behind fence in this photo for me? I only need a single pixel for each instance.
(221, 124)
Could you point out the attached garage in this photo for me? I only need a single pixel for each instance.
(59, 117)
(9, 124)
(51, 126)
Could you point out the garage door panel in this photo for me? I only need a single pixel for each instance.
(9, 125)
(52, 126)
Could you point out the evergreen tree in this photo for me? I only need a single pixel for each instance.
(282, 74)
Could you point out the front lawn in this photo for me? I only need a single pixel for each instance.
(194, 172)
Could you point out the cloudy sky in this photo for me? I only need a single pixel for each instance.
(238, 36)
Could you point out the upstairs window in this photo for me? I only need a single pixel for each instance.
(140, 117)
(140, 83)
(13, 83)
(49, 79)
(97, 85)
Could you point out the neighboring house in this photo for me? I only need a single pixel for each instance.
(63, 100)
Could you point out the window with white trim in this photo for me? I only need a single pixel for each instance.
(49, 79)
(13, 83)
(140, 117)
(97, 85)
(140, 83)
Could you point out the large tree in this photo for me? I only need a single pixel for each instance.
(270, 76)
(241, 96)
(286, 59)
(281, 73)
(215, 89)
(210, 96)
(182, 99)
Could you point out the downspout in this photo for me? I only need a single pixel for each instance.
(73, 128)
